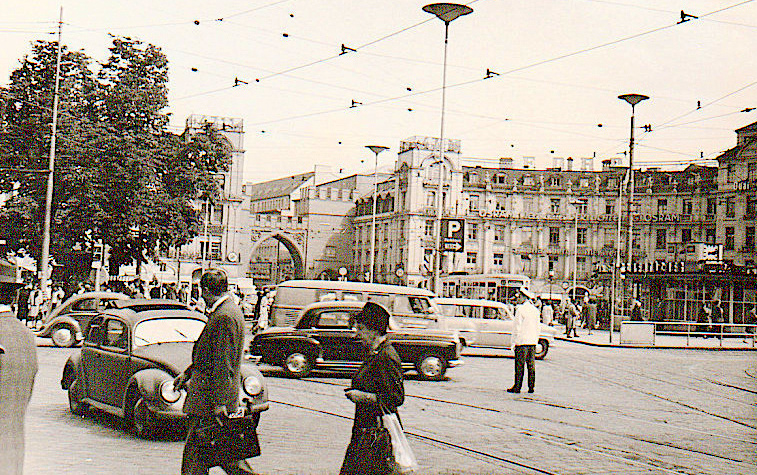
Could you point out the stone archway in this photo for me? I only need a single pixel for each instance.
(290, 243)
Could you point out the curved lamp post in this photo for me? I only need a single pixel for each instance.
(446, 12)
(376, 149)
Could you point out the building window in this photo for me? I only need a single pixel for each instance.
(329, 252)
(473, 231)
(471, 257)
(685, 235)
(528, 205)
(662, 206)
(473, 202)
(730, 207)
(500, 179)
(429, 230)
(661, 239)
(712, 205)
(687, 207)
(751, 173)
(582, 206)
(729, 244)
(552, 263)
(749, 238)
(525, 233)
(431, 198)
(499, 233)
(525, 263)
(751, 207)
(554, 236)
(583, 182)
(499, 259)
(501, 203)
(581, 234)
(472, 177)
(554, 206)
(581, 265)
(729, 173)
(709, 236)
(610, 207)
(554, 181)
(528, 180)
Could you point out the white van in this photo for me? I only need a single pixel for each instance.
(409, 306)
(486, 324)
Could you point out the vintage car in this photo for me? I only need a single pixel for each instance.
(486, 323)
(68, 321)
(130, 357)
(323, 338)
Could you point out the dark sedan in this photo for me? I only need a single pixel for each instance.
(323, 338)
(130, 357)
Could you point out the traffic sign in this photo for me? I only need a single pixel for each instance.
(453, 234)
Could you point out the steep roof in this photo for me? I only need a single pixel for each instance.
(279, 187)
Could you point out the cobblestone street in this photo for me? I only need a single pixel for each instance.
(595, 410)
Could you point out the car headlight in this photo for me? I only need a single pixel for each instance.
(167, 392)
(252, 385)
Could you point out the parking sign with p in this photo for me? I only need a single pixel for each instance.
(453, 233)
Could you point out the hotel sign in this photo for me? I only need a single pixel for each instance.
(651, 218)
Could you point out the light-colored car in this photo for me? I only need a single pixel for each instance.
(486, 324)
(68, 321)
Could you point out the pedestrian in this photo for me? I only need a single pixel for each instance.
(155, 291)
(571, 320)
(214, 380)
(376, 388)
(636, 311)
(591, 315)
(585, 312)
(704, 320)
(265, 303)
(547, 314)
(18, 367)
(22, 302)
(35, 304)
(750, 319)
(717, 319)
(525, 337)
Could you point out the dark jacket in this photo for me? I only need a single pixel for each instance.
(216, 357)
(381, 374)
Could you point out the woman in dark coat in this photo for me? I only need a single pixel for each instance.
(377, 384)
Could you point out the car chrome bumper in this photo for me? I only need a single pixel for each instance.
(254, 358)
(454, 363)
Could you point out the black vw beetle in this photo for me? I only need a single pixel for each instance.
(130, 357)
(323, 338)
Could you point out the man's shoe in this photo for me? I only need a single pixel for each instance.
(513, 390)
(531, 390)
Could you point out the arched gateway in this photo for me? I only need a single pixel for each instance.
(293, 241)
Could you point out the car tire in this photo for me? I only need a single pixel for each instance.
(541, 349)
(142, 421)
(75, 403)
(431, 367)
(63, 335)
(297, 365)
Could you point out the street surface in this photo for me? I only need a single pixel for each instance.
(595, 410)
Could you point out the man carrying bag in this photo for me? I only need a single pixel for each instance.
(214, 438)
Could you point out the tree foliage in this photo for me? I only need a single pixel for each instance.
(120, 175)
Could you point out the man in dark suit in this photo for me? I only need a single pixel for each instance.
(214, 379)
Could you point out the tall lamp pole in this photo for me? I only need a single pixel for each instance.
(44, 271)
(376, 149)
(632, 99)
(446, 12)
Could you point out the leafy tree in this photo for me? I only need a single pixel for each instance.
(120, 176)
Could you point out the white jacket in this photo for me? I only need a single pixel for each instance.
(526, 325)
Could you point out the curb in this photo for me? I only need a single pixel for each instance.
(652, 347)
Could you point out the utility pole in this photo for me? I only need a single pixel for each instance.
(43, 271)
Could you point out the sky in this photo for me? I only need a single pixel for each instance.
(559, 64)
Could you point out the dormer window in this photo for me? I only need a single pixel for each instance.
(528, 180)
(583, 182)
(472, 177)
(554, 181)
(500, 178)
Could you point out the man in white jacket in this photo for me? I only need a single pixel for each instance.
(525, 337)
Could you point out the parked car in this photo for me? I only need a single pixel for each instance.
(323, 338)
(67, 322)
(130, 358)
(487, 324)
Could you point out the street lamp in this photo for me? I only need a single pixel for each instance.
(632, 99)
(376, 149)
(446, 12)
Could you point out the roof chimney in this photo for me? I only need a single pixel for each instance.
(606, 165)
(505, 162)
(557, 162)
(528, 163)
(570, 164)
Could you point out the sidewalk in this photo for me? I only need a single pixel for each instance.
(602, 338)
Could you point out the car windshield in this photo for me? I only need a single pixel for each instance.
(167, 330)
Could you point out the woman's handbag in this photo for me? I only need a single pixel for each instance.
(404, 459)
(226, 439)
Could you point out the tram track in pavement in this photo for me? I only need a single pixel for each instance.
(691, 407)
(616, 453)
